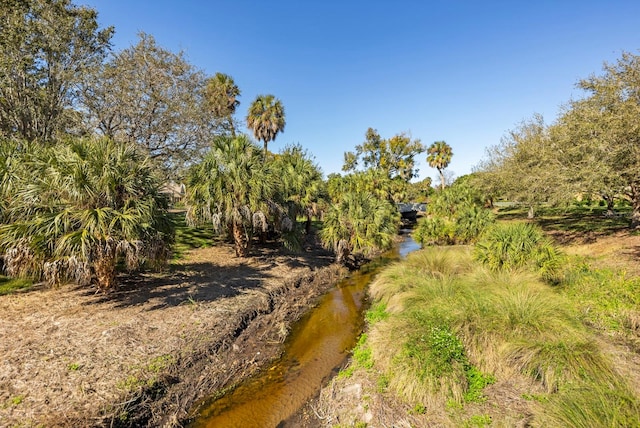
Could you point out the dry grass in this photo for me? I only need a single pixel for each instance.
(71, 356)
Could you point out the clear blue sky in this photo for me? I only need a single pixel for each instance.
(461, 71)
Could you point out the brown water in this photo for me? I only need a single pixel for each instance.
(317, 346)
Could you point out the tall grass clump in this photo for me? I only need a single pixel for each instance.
(453, 326)
(586, 405)
(513, 246)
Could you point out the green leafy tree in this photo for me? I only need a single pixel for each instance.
(235, 190)
(395, 157)
(372, 181)
(154, 98)
(601, 144)
(439, 156)
(526, 167)
(46, 49)
(420, 191)
(221, 95)
(266, 118)
(92, 203)
(359, 223)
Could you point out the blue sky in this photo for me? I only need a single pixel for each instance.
(464, 72)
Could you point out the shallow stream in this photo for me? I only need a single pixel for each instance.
(316, 348)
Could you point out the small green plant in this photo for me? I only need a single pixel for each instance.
(477, 381)
(478, 421)
(382, 383)
(376, 313)
(160, 363)
(418, 409)
(362, 353)
(347, 372)
(131, 383)
(73, 367)
(17, 400)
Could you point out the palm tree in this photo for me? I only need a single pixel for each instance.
(266, 119)
(359, 223)
(92, 202)
(439, 156)
(233, 189)
(301, 184)
(222, 94)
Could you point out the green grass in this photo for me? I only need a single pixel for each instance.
(11, 285)
(607, 299)
(189, 238)
(575, 218)
(454, 327)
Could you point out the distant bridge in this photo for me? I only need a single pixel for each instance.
(409, 211)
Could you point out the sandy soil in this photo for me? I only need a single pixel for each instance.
(146, 354)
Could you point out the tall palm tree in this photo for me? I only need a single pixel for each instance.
(266, 119)
(222, 94)
(439, 156)
(92, 202)
(233, 189)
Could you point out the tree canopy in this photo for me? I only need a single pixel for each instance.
(266, 118)
(592, 149)
(439, 156)
(221, 96)
(152, 97)
(47, 47)
(395, 157)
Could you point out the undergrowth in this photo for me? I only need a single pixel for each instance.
(445, 327)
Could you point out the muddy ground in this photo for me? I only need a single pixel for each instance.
(146, 354)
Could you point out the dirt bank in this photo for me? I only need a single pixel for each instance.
(146, 354)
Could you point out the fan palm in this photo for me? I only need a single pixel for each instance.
(233, 189)
(222, 95)
(359, 223)
(81, 206)
(266, 119)
(439, 156)
(301, 182)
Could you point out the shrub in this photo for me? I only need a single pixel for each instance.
(454, 216)
(512, 246)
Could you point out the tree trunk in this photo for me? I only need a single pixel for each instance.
(342, 251)
(441, 178)
(307, 225)
(610, 203)
(635, 202)
(241, 241)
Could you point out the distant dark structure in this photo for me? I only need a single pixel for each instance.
(409, 211)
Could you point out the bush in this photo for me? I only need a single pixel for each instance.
(454, 216)
(513, 246)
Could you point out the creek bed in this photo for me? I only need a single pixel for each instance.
(315, 349)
